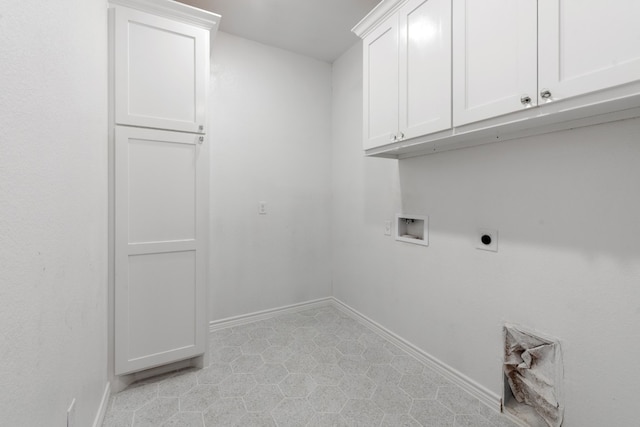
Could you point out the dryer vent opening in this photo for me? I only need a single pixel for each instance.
(533, 377)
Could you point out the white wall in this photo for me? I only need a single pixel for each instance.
(53, 210)
(568, 213)
(270, 141)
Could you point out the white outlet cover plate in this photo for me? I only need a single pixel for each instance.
(387, 228)
(493, 233)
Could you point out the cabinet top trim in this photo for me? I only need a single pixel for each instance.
(171, 9)
(382, 11)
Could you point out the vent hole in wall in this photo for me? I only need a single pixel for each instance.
(533, 374)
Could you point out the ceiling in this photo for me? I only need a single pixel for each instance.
(317, 28)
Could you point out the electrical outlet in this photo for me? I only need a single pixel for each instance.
(71, 414)
(262, 208)
(387, 228)
(487, 239)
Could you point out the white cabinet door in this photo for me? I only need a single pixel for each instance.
(160, 244)
(160, 72)
(494, 58)
(425, 67)
(380, 93)
(585, 46)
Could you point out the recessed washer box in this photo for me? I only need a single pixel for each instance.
(412, 229)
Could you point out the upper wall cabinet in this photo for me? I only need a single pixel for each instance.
(161, 71)
(520, 68)
(381, 85)
(495, 64)
(407, 75)
(585, 48)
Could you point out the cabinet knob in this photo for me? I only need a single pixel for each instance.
(393, 137)
(525, 100)
(200, 139)
(401, 135)
(545, 93)
(200, 127)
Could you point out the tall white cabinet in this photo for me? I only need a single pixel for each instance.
(160, 69)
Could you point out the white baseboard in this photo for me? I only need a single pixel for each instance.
(485, 396)
(215, 325)
(102, 409)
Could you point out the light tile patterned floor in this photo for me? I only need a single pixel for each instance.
(317, 367)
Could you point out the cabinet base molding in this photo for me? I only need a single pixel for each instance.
(555, 116)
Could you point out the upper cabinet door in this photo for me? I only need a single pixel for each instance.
(587, 47)
(425, 67)
(160, 72)
(380, 89)
(494, 58)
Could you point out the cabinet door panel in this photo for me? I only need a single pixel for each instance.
(494, 58)
(160, 243)
(161, 303)
(425, 67)
(160, 72)
(585, 48)
(380, 93)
